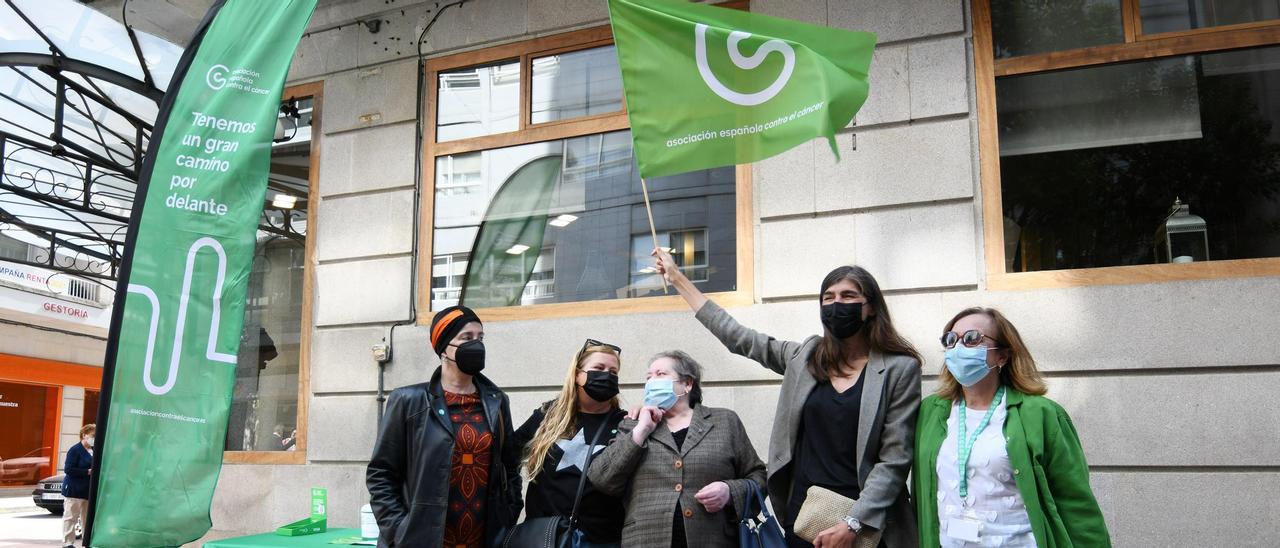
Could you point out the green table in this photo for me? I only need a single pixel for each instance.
(317, 540)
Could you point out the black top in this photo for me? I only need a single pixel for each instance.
(678, 539)
(551, 493)
(828, 444)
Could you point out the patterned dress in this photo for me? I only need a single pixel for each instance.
(469, 474)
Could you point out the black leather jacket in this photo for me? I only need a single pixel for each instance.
(408, 475)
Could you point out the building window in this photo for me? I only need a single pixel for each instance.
(1158, 145)
(267, 409)
(537, 196)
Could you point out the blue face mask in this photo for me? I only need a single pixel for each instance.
(967, 365)
(660, 393)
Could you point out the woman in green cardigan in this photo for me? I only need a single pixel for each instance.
(1025, 481)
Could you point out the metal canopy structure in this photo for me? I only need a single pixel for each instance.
(79, 95)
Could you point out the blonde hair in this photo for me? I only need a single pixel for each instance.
(87, 429)
(560, 417)
(1019, 372)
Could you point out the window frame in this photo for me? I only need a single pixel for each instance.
(529, 132)
(315, 90)
(1136, 47)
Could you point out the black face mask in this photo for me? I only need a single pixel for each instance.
(469, 356)
(843, 319)
(601, 386)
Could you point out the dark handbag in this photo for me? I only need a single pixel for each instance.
(754, 532)
(553, 531)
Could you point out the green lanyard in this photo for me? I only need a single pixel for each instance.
(964, 444)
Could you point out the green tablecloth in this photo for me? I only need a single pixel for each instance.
(317, 540)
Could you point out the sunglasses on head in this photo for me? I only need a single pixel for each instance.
(971, 338)
(592, 342)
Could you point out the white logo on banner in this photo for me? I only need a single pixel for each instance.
(210, 352)
(745, 63)
(217, 76)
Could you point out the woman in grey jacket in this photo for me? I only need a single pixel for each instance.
(846, 413)
(682, 468)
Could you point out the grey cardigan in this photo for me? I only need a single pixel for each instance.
(885, 429)
(653, 476)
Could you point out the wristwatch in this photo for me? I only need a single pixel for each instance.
(854, 524)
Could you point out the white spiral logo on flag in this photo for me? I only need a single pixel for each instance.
(745, 63)
(175, 358)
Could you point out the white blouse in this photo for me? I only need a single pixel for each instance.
(993, 493)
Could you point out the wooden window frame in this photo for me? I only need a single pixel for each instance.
(1136, 47)
(314, 90)
(547, 131)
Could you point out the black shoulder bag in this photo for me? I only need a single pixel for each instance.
(553, 531)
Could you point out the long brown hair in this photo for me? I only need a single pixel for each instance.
(1019, 372)
(560, 417)
(882, 337)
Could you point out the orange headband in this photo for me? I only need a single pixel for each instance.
(443, 324)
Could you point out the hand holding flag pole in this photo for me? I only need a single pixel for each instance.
(653, 231)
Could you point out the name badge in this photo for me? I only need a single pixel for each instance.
(964, 528)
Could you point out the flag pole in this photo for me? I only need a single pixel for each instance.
(644, 188)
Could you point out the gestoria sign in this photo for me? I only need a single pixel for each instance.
(21, 300)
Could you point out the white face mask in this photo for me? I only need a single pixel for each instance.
(88, 441)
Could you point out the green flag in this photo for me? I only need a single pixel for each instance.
(175, 332)
(709, 87)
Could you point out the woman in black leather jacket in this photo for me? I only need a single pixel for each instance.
(444, 470)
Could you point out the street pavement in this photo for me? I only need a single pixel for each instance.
(23, 524)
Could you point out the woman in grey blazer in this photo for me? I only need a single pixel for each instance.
(846, 413)
(683, 467)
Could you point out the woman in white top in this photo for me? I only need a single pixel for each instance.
(997, 463)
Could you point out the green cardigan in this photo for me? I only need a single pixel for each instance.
(1048, 466)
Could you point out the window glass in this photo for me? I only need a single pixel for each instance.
(264, 408)
(1024, 27)
(1174, 15)
(27, 416)
(564, 221)
(478, 101)
(1094, 159)
(578, 83)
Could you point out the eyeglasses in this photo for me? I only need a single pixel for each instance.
(592, 342)
(971, 338)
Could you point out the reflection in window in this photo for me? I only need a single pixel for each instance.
(578, 201)
(1093, 159)
(578, 83)
(27, 432)
(478, 101)
(447, 273)
(264, 408)
(687, 247)
(1024, 27)
(1174, 15)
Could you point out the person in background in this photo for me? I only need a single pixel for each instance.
(997, 463)
(682, 467)
(846, 412)
(557, 439)
(445, 470)
(75, 484)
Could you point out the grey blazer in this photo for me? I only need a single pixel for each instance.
(653, 476)
(885, 429)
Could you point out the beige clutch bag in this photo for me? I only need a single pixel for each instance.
(824, 508)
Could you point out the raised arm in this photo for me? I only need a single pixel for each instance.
(739, 339)
(612, 469)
